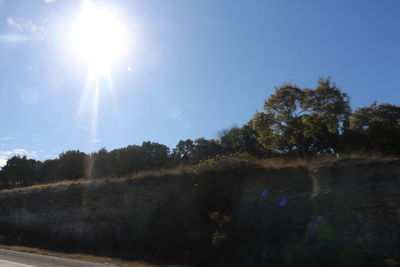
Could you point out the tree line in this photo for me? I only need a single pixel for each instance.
(295, 122)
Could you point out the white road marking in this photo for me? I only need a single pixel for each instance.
(4, 263)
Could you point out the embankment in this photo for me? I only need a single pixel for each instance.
(241, 213)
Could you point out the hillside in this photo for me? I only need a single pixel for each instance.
(231, 212)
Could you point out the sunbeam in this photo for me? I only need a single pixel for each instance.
(112, 92)
(95, 108)
(97, 39)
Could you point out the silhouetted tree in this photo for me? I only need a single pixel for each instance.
(205, 149)
(189, 152)
(126, 161)
(20, 171)
(73, 164)
(243, 139)
(49, 170)
(303, 121)
(375, 128)
(295, 122)
(183, 152)
(101, 163)
(155, 155)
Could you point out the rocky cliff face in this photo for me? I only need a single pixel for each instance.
(343, 214)
(361, 202)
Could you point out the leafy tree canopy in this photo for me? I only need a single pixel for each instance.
(303, 121)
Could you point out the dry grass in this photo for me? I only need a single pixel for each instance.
(215, 164)
(142, 174)
(45, 186)
(85, 257)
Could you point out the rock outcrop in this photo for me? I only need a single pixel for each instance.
(360, 199)
(344, 213)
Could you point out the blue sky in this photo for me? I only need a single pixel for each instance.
(191, 69)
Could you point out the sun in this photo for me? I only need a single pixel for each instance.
(98, 37)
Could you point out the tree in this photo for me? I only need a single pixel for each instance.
(205, 149)
(20, 171)
(155, 155)
(126, 161)
(376, 128)
(101, 163)
(49, 170)
(243, 139)
(73, 164)
(303, 121)
(189, 151)
(183, 151)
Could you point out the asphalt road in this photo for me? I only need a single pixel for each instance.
(9, 258)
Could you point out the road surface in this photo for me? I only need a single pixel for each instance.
(9, 258)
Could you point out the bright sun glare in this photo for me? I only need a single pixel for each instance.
(98, 37)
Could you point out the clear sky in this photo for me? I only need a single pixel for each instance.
(188, 68)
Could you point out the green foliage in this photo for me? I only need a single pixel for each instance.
(20, 171)
(49, 170)
(73, 164)
(295, 122)
(189, 151)
(155, 155)
(375, 128)
(183, 151)
(241, 140)
(303, 121)
(128, 160)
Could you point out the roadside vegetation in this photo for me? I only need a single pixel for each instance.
(219, 212)
(296, 123)
(244, 198)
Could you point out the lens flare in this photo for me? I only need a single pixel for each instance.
(265, 192)
(283, 201)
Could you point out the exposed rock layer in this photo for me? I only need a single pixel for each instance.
(361, 201)
(249, 215)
